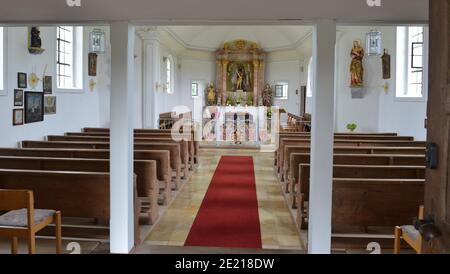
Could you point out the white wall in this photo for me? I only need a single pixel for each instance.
(398, 115)
(378, 111)
(74, 110)
(286, 71)
(363, 112)
(197, 69)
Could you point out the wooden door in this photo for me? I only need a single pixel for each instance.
(437, 192)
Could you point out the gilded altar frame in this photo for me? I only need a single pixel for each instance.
(242, 53)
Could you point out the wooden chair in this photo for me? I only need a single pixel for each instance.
(23, 221)
(410, 235)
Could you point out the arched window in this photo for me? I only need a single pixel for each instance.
(309, 84)
(169, 75)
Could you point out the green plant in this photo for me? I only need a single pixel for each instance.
(352, 127)
(249, 99)
(239, 100)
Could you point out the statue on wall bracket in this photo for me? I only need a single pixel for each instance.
(35, 41)
(357, 70)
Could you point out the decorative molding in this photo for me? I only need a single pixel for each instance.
(148, 35)
(186, 45)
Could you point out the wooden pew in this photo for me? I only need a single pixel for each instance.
(352, 171)
(173, 148)
(184, 150)
(290, 149)
(359, 136)
(348, 159)
(307, 135)
(188, 127)
(161, 157)
(146, 181)
(193, 150)
(78, 195)
(373, 206)
(340, 142)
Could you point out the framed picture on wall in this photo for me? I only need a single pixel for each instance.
(22, 80)
(18, 98)
(34, 107)
(47, 85)
(92, 64)
(49, 105)
(17, 117)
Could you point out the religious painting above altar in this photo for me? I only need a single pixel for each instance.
(239, 77)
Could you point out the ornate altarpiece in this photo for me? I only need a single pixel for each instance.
(240, 71)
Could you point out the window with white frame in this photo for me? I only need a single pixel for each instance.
(281, 90)
(410, 62)
(194, 89)
(309, 81)
(69, 57)
(169, 75)
(2, 61)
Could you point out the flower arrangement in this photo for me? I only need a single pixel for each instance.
(249, 99)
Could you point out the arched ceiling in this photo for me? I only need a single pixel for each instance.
(210, 38)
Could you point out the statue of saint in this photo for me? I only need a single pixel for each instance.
(36, 41)
(356, 66)
(267, 96)
(241, 79)
(211, 96)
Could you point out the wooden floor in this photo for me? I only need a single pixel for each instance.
(278, 230)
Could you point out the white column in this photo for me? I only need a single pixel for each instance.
(151, 76)
(121, 157)
(320, 199)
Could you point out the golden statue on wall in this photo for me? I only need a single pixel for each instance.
(211, 95)
(356, 66)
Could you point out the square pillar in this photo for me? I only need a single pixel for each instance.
(322, 135)
(121, 140)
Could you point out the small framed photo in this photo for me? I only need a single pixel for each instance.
(49, 105)
(47, 85)
(18, 98)
(17, 117)
(22, 80)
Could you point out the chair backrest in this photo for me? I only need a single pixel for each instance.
(15, 199)
(421, 213)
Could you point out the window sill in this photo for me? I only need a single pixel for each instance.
(409, 99)
(281, 98)
(3, 92)
(69, 90)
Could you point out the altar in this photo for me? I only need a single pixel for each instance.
(242, 126)
(239, 106)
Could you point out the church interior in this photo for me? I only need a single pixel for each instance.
(268, 138)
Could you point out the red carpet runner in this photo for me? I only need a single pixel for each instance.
(228, 216)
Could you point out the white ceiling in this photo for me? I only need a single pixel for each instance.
(150, 11)
(211, 38)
